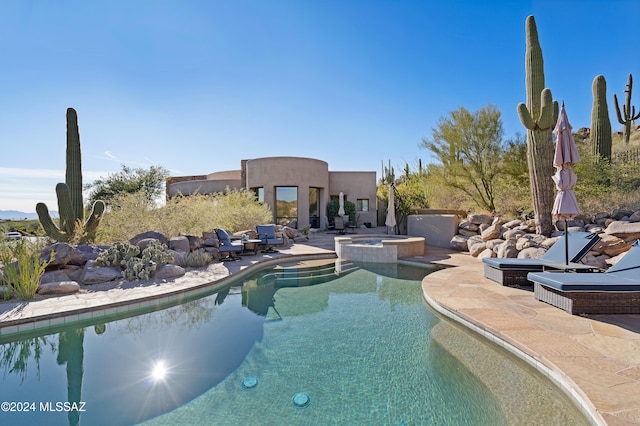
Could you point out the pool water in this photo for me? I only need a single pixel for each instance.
(280, 347)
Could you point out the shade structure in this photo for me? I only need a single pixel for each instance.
(341, 208)
(391, 210)
(565, 205)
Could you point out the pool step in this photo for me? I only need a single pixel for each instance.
(298, 276)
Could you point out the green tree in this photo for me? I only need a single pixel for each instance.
(469, 147)
(129, 181)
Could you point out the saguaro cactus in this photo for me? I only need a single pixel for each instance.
(70, 205)
(538, 116)
(628, 112)
(600, 123)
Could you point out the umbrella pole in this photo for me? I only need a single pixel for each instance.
(566, 241)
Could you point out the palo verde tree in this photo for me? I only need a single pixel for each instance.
(129, 181)
(468, 147)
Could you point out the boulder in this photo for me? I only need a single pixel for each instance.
(597, 261)
(477, 248)
(513, 234)
(459, 242)
(513, 223)
(53, 276)
(492, 232)
(467, 232)
(468, 226)
(63, 252)
(211, 242)
(474, 239)
(58, 287)
(482, 227)
(180, 243)
(635, 217)
(150, 234)
(531, 253)
(491, 244)
(478, 219)
(178, 257)
(611, 245)
(628, 231)
(618, 214)
(195, 242)
(529, 240)
(209, 234)
(214, 252)
(145, 242)
(507, 249)
(486, 253)
(92, 274)
(169, 271)
(83, 253)
(548, 242)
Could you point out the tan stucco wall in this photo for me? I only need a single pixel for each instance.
(226, 175)
(356, 185)
(303, 173)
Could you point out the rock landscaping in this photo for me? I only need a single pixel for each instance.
(487, 236)
(75, 266)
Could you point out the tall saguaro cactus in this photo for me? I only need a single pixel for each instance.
(628, 112)
(70, 205)
(538, 116)
(600, 123)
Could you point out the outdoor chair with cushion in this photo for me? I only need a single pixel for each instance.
(339, 225)
(231, 249)
(268, 237)
(513, 272)
(616, 291)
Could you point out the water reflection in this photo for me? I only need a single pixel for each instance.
(71, 353)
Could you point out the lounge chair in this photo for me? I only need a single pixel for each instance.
(231, 249)
(267, 235)
(513, 272)
(616, 291)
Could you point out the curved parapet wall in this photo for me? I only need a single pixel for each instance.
(373, 249)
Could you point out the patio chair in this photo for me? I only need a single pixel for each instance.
(513, 272)
(267, 235)
(616, 291)
(340, 225)
(231, 249)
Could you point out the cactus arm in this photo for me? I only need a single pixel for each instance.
(546, 111)
(47, 223)
(525, 117)
(94, 219)
(615, 104)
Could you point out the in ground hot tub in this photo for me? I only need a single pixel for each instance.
(378, 249)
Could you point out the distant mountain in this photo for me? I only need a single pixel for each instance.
(16, 215)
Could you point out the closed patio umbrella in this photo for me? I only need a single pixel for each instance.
(566, 155)
(390, 221)
(341, 208)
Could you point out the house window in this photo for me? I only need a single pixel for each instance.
(259, 194)
(362, 204)
(287, 206)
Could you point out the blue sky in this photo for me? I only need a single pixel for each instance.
(197, 86)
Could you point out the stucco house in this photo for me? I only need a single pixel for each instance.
(297, 189)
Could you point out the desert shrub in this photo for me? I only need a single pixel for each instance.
(22, 268)
(196, 259)
(131, 214)
(334, 206)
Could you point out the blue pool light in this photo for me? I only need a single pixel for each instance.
(250, 382)
(301, 400)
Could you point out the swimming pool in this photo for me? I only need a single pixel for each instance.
(354, 341)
